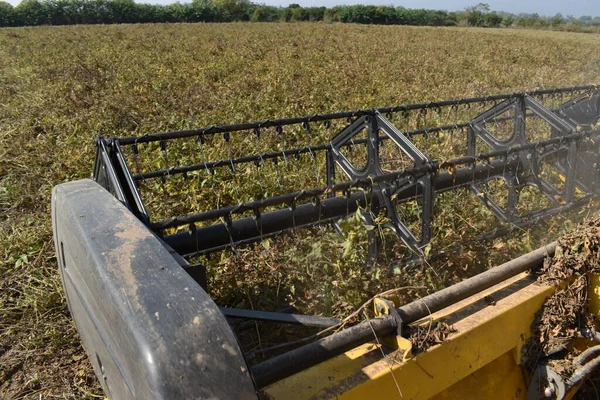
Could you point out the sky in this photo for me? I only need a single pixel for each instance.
(542, 7)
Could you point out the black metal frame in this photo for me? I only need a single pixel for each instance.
(517, 160)
(509, 159)
(111, 171)
(282, 317)
(434, 105)
(424, 179)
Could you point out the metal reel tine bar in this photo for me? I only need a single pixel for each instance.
(368, 188)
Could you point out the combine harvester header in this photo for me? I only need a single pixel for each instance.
(130, 245)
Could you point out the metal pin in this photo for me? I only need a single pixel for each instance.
(259, 227)
(228, 223)
(227, 138)
(201, 141)
(163, 149)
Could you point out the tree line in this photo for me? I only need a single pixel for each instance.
(70, 12)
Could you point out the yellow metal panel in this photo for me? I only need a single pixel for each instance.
(486, 347)
(594, 295)
(497, 380)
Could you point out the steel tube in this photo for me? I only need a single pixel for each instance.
(586, 355)
(341, 115)
(286, 318)
(436, 301)
(297, 360)
(243, 229)
(249, 323)
(249, 228)
(583, 372)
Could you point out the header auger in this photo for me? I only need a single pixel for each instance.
(131, 246)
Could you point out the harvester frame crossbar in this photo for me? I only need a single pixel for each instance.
(517, 160)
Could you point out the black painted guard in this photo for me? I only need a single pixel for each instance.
(149, 330)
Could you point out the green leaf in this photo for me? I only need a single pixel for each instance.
(558, 253)
(427, 250)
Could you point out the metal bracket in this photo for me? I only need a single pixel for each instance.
(531, 160)
(375, 125)
(384, 306)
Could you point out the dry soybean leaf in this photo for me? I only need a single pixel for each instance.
(560, 200)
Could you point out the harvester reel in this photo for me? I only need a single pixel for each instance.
(133, 246)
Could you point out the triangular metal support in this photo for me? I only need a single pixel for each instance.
(379, 128)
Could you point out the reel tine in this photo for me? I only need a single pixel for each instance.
(317, 202)
(163, 149)
(165, 193)
(259, 226)
(227, 138)
(136, 160)
(203, 154)
(163, 180)
(228, 224)
(294, 227)
(261, 162)
(277, 178)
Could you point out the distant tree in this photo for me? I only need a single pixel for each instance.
(236, 10)
(205, 11)
(6, 14)
(316, 13)
(437, 18)
(122, 11)
(65, 12)
(331, 14)
(31, 12)
(527, 22)
(569, 19)
(404, 16)
(492, 20)
(147, 13)
(476, 14)
(480, 7)
(285, 15)
(508, 21)
(452, 19)
(265, 14)
(557, 20)
(177, 12)
(299, 14)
